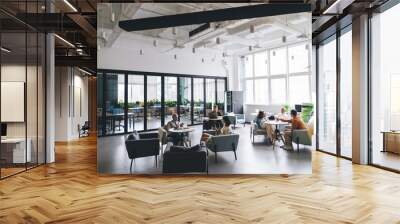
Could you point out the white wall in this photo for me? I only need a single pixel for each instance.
(69, 85)
(125, 55)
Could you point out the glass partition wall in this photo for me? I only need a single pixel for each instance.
(334, 94)
(143, 101)
(22, 102)
(385, 90)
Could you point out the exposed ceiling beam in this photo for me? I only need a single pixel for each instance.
(237, 13)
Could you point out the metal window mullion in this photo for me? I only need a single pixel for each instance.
(126, 103)
(317, 96)
(162, 100)
(269, 77)
(338, 95)
(287, 76)
(145, 104)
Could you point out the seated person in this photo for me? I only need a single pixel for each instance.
(174, 123)
(297, 123)
(213, 115)
(282, 115)
(225, 130)
(260, 120)
(178, 138)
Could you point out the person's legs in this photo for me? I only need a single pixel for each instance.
(288, 139)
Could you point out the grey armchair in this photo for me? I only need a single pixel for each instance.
(254, 130)
(142, 145)
(232, 119)
(240, 119)
(301, 136)
(184, 161)
(223, 143)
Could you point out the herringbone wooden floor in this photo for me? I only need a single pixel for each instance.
(71, 191)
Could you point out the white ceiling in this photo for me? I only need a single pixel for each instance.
(230, 37)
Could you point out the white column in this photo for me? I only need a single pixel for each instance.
(50, 100)
(360, 90)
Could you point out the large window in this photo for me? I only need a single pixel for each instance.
(221, 95)
(154, 102)
(327, 96)
(22, 103)
(261, 88)
(198, 98)
(210, 94)
(278, 61)
(133, 101)
(278, 91)
(278, 76)
(171, 96)
(299, 58)
(385, 89)
(185, 89)
(346, 94)
(115, 103)
(298, 86)
(260, 64)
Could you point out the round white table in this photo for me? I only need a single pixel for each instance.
(182, 131)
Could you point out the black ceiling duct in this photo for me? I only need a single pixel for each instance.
(243, 12)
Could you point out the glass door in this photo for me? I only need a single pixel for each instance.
(114, 103)
(153, 102)
(185, 100)
(170, 98)
(198, 98)
(327, 96)
(135, 103)
(346, 93)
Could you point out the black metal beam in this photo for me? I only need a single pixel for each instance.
(81, 61)
(236, 13)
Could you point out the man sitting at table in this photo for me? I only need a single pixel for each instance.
(174, 123)
(297, 123)
(214, 113)
(283, 115)
(177, 138)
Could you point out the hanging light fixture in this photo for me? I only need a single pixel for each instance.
(252, 29)
(202, 60)
(250, 48)
(218, 40)
(273, 53)
(175, 56)
(284, 39)
(173, 30)
(155, 43)
(194, 50)
(141, 52)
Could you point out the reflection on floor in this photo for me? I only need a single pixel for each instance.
(257, 158)
(386, 159)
